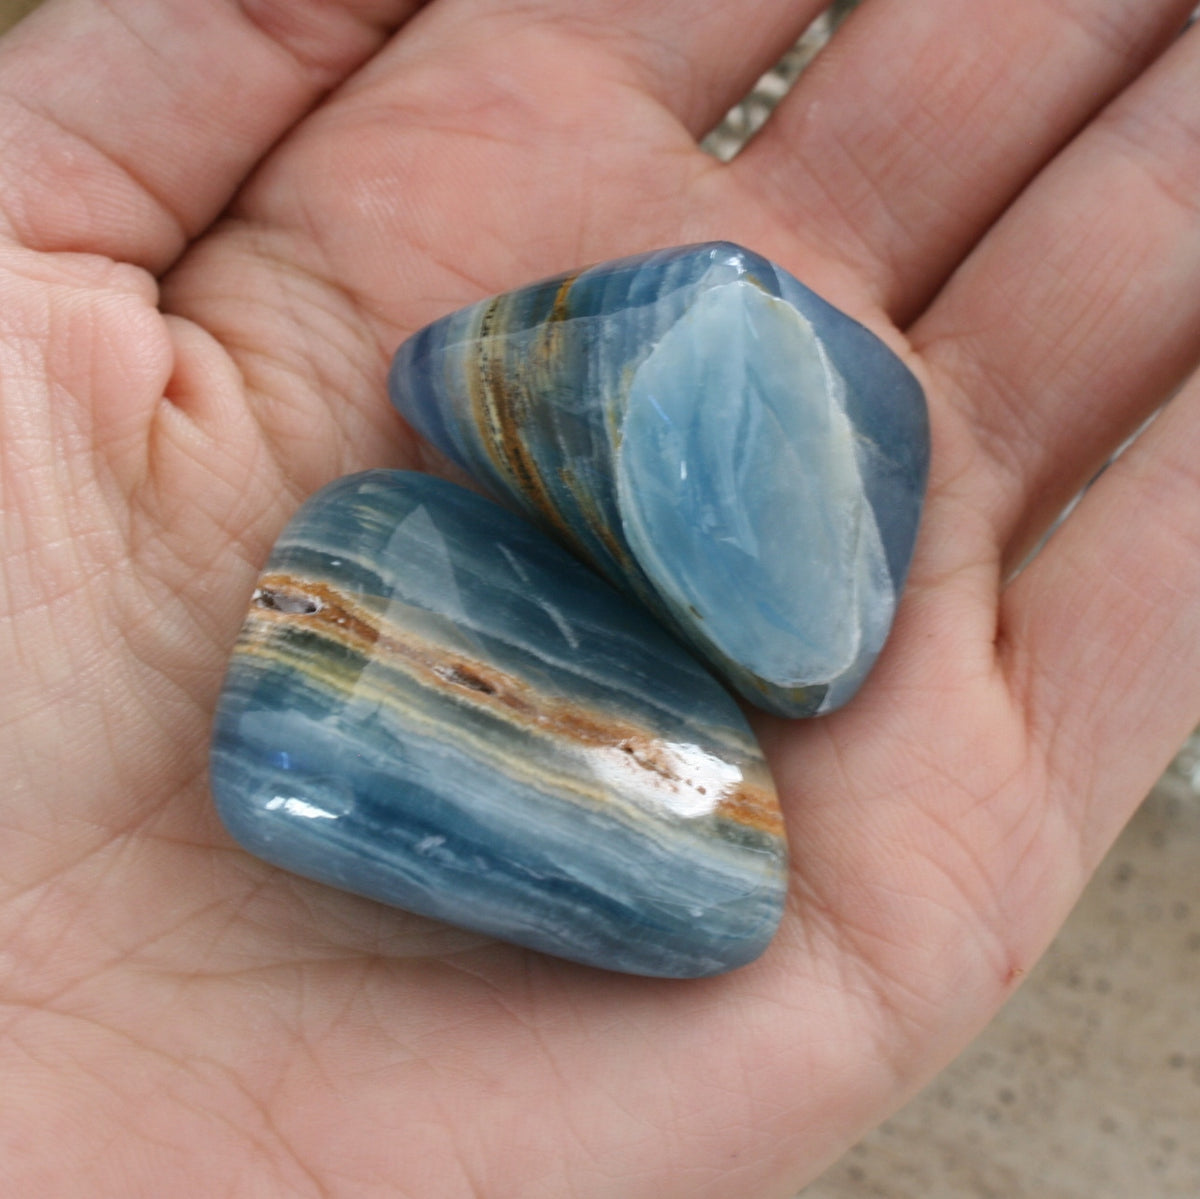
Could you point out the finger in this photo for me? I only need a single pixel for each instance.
(1101, 632)
(924, 118)
(1079, 314)
(127, 125)
(696, 60)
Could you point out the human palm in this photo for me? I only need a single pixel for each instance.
(181, 1019)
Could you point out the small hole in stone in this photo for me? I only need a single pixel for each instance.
(281, 601)
(462, 677)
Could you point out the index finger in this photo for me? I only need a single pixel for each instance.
(126, 125)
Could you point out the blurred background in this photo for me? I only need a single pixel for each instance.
(1087, 1084)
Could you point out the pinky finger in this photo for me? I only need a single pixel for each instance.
(1101, 632)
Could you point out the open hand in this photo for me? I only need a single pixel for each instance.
(217, 221)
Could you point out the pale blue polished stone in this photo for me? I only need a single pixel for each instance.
(434, 705)
(717, 440)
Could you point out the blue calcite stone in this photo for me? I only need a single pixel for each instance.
(743, 458)
(433, 704)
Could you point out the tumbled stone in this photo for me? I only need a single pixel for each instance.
(718, 441)
(432, 704)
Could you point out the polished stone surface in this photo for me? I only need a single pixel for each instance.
(740, 456)
(433, 704)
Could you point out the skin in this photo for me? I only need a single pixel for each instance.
(218, 220)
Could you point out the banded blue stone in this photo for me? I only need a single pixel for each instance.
(718, 441)
(432, 704)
